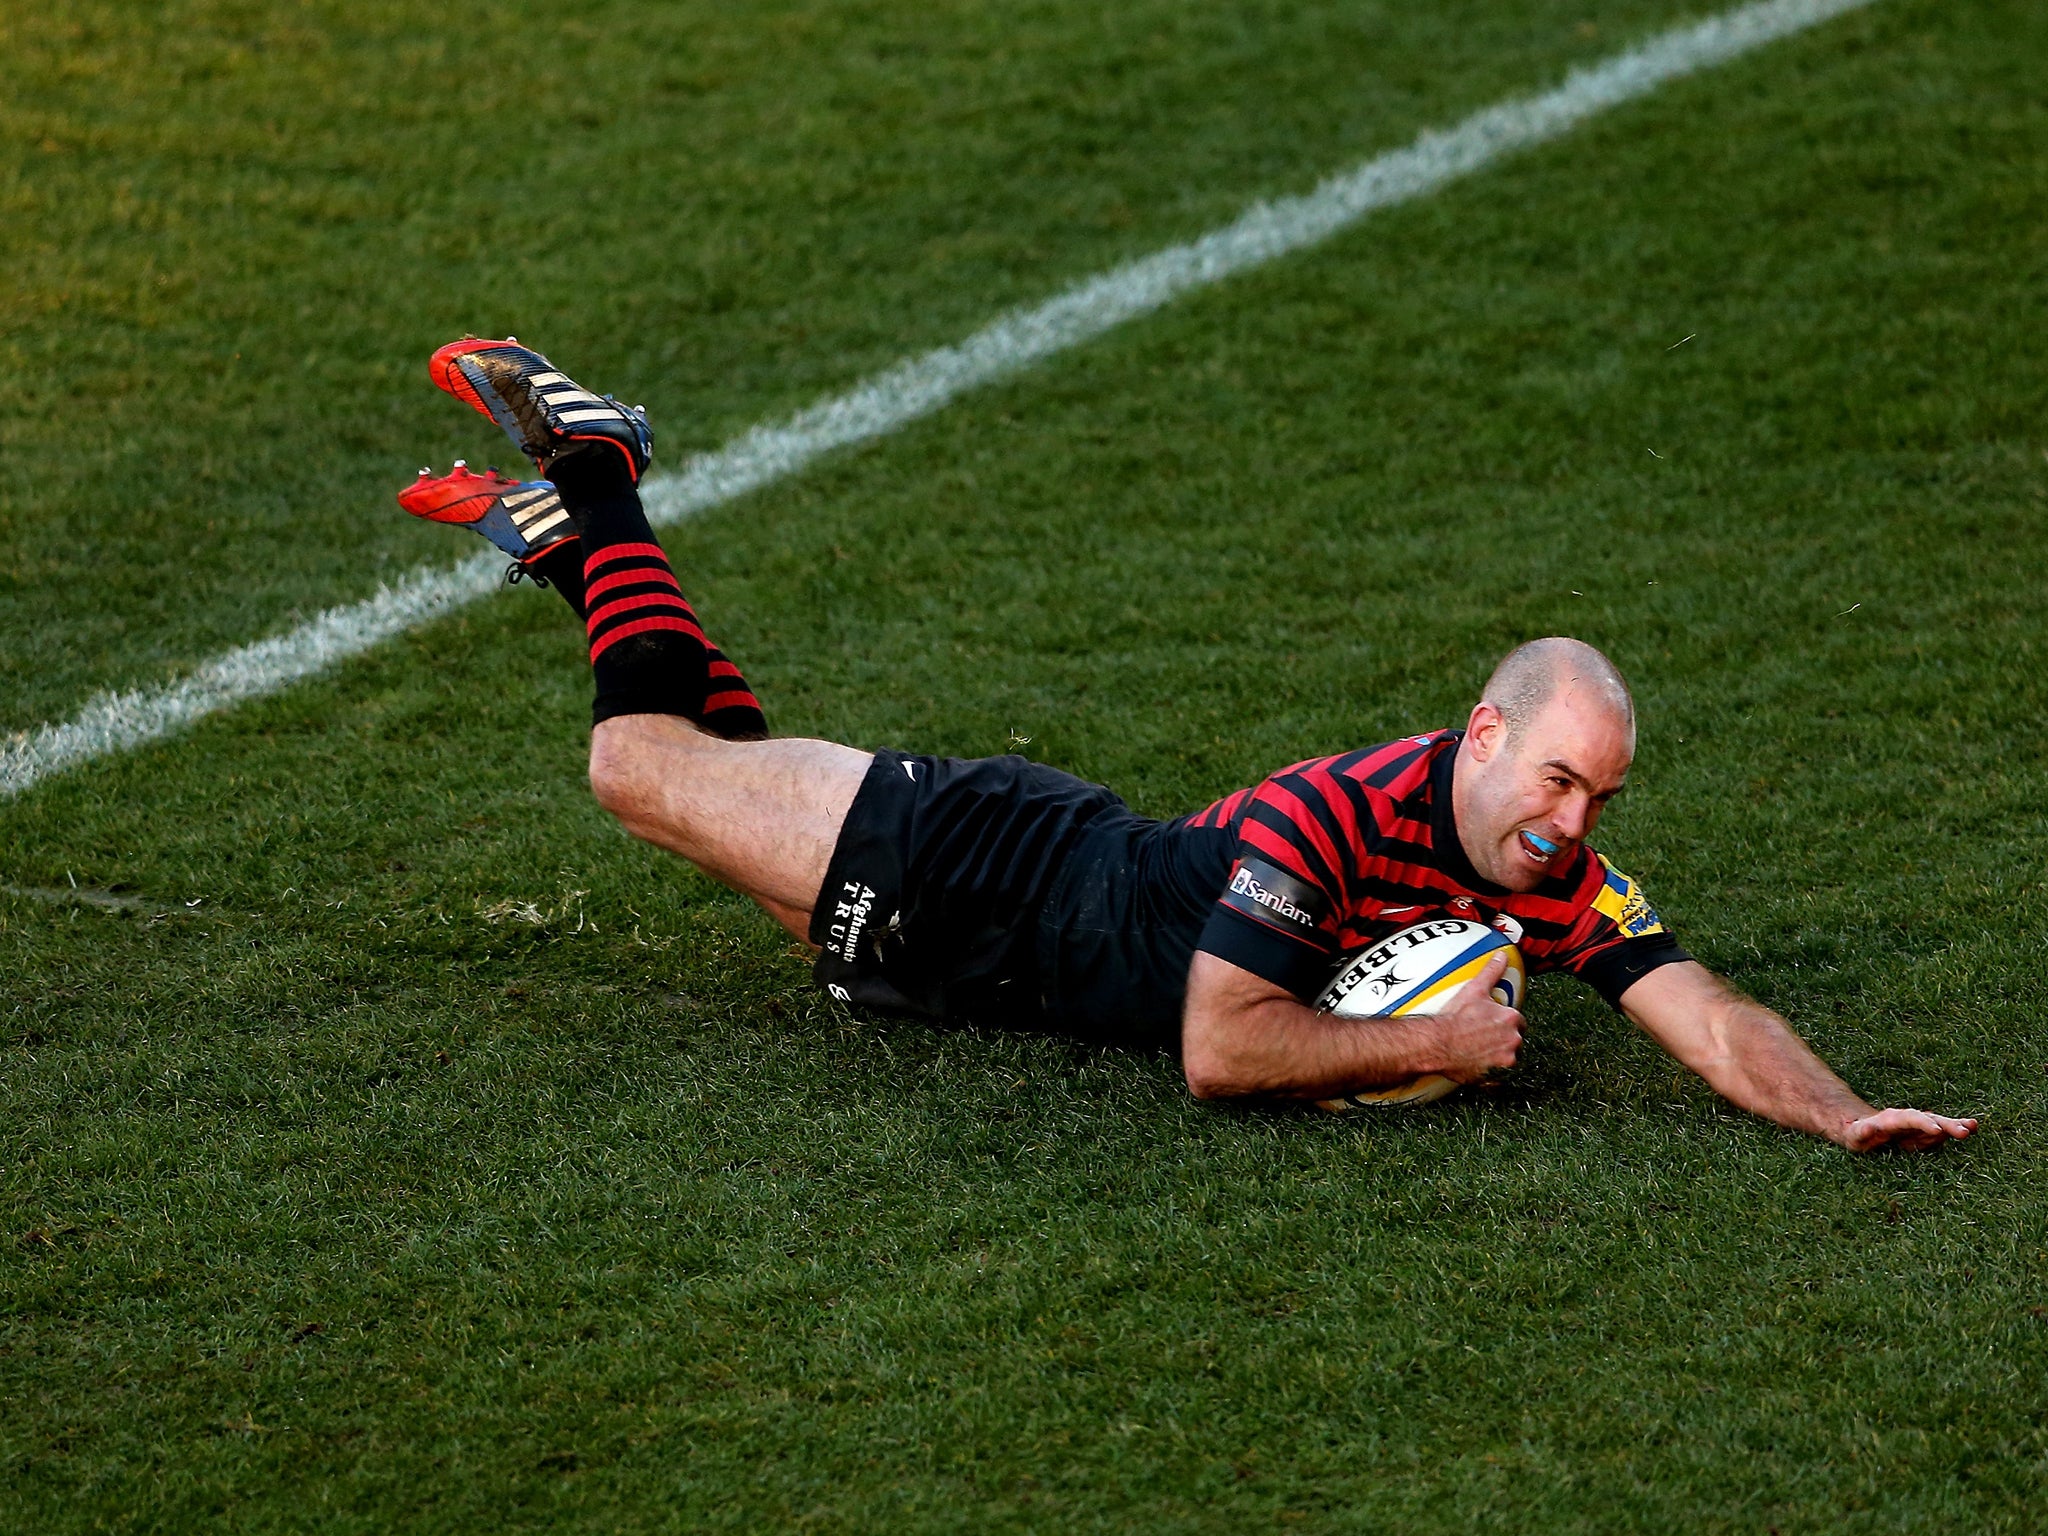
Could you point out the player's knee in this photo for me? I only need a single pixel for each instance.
(636, 762)
(619, 770)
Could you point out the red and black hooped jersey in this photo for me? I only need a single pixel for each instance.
(1337, 853)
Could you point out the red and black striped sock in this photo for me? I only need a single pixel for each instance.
(560, 566)
(647, 650)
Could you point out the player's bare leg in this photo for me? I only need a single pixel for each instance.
(678, 747)
(760, 816)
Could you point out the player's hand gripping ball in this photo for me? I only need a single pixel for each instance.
(1417, 971)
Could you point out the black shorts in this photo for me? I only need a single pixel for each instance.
(1004, 892)
(932, 899)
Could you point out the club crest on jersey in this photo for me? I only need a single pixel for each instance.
(1272, 896)
(1622, 901)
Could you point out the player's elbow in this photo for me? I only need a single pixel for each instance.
(1204, 1081)
(1226, 1049)
(1207, 1062)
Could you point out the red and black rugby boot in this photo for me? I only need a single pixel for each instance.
(547, 413)
(524, 518)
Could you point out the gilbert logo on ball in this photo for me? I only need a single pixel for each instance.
(1413, 972)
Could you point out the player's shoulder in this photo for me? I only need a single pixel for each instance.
(1598, 885)
(1391, 767)
(1358, 797)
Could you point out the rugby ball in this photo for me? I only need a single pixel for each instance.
(1417, 971)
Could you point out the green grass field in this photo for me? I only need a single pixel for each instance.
(414, 1151)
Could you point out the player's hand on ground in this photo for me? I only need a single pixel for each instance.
(1477, 1034)
(1911, 1128)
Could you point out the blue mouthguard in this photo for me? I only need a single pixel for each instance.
(1543, 844)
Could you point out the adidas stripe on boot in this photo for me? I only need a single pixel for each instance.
(543, 410)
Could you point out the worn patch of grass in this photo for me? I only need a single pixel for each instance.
(423, 1153)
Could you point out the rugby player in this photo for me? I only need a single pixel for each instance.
(1003, 891)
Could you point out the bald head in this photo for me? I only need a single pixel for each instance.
(1531, 675)
(1545, 750)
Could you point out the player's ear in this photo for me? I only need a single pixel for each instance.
(1485, 732)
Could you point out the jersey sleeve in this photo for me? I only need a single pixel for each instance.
(1278, 915)
(1618, 940)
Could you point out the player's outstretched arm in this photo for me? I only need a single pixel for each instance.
(1751, 1057)
(1244, 1037)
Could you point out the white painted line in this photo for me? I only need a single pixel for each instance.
(112, 722)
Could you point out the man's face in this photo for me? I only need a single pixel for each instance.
(1525, 803)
